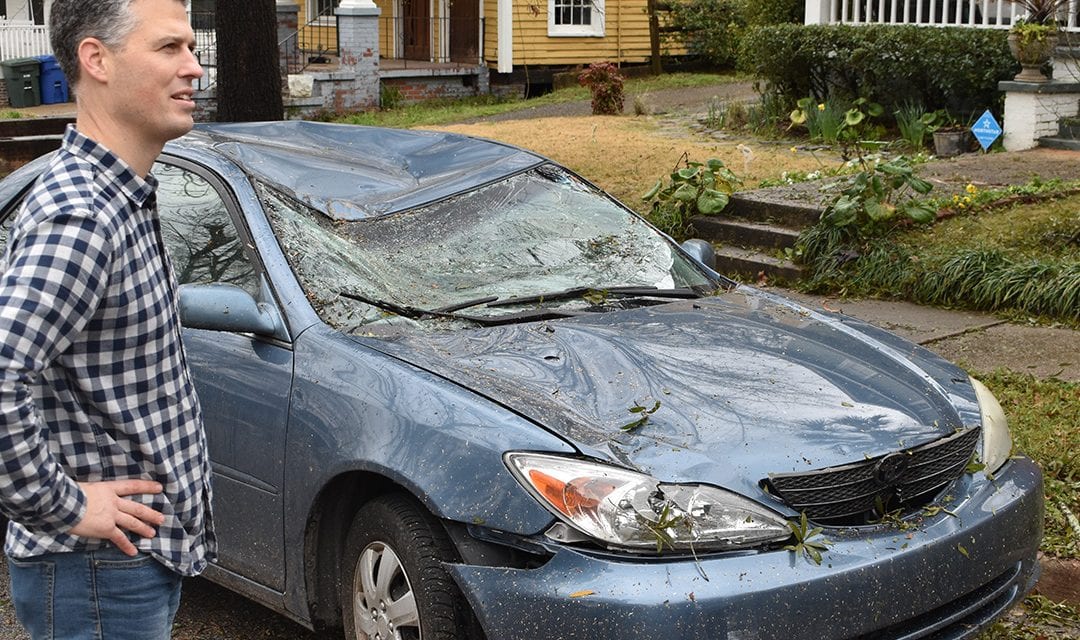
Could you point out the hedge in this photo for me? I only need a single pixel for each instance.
(943, 68)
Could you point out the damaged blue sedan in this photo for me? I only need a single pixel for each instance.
(453, 390)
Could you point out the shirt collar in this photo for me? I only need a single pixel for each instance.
(138, 190)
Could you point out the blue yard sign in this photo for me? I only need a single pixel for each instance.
(986, 130)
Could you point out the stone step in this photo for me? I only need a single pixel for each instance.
(15, 152)
(795, 207)
(21, 127)
(1069, 144)
(743, 233)
(1069, 128)
(735, 261)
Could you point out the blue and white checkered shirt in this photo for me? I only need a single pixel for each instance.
(93, 380)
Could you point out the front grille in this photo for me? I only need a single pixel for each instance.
(860, 492)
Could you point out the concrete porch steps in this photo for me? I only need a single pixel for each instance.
(1068, 136)
(745, 232)
(1056, 142)
(749, 263)
(757, 226)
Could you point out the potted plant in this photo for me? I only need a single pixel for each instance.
(1034, 36)
(950, 137)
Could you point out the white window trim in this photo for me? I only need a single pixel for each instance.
(594, 30)
(325, 21)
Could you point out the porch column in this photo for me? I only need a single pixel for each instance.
(288, 23)
(358, 49)
(818, 11)
(505, 30)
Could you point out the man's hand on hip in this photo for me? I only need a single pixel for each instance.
(109, 513)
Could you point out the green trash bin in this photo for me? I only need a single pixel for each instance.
(21, 75)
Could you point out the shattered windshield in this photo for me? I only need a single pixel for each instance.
(539, 233)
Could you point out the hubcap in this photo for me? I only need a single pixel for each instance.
(384, 607)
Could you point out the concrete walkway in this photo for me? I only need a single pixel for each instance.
(978, 340)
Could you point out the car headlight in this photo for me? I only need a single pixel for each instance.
(630, 510)
(996, 439)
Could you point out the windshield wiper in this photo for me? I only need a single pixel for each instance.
(415, 313)
(400, 309)
(582, 292)
(475, 302)
(449, 311)
(568, 294)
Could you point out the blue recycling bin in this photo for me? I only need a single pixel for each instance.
(53, 83)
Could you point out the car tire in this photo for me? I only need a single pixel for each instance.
(412, 597)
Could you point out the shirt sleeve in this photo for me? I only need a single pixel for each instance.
(55, 279)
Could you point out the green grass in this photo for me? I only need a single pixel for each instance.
(1043, 416)
(1036, 619)
(437, 112)
(1023, 257)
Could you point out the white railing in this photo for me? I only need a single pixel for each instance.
(23, 40)
(983, 14)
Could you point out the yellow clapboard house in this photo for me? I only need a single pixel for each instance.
(505, 35)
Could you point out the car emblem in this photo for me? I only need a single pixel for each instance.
(889, 469)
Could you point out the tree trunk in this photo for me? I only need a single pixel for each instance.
(248, 77)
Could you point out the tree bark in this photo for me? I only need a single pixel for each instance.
(248, 77)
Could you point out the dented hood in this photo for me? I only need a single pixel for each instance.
(748, 384)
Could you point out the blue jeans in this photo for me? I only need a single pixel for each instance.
(94, 595)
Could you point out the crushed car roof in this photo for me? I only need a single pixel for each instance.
(352, 172)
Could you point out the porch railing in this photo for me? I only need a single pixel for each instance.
(439, 40)
(313, 43)
(986, 14)
(23, 40)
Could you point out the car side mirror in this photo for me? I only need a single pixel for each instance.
(226, 307)
(701, 251)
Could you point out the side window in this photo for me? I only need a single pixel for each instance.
(199, 234)
(577, 18)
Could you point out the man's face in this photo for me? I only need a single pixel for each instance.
(150, 80)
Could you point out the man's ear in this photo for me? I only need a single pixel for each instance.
(94, 59)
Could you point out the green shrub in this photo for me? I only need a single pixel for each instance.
(957, 69)
(764, 12)
(710, 28)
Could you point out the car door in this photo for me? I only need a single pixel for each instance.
(243, 380)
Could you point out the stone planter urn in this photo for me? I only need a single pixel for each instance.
(1033, 46)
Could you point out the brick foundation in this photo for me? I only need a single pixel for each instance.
(418, 89)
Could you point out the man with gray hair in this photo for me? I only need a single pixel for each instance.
(103, 466)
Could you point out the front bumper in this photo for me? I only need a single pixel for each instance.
(951, 576)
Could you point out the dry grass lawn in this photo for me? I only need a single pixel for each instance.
(625, 155)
